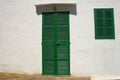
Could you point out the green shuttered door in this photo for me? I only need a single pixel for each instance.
(55, 43)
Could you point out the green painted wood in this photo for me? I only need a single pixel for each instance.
(63, 43)
(55, 43)
(48, 48)
(104, 23)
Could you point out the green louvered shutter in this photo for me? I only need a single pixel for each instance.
(99, 26)
(55, 43)
(63, 41)
(109, 24)
(104, 24)
(48, 40)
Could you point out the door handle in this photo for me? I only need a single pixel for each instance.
(57, 43)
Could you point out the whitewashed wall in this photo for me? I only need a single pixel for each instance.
(20, 39)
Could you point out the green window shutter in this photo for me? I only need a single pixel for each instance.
(99, 24)
(104, 24)
(109, 24)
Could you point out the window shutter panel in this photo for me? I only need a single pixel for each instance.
(99, 24)
(109, 23)
(63, 39)
(48, 44)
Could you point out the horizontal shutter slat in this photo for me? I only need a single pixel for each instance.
(109, 31)
(62, 19)
(48, 19)
(49, 67)
(48, 33)
(63, 33)
(108, 14)
(100, 31)
(99, 14)
(63, 52)
(48, 51)
(63, 67)
(108, 23)
(99, 23)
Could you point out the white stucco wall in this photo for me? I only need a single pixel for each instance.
(20, 39)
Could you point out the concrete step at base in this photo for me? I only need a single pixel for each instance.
(65, 78)
(14, 76)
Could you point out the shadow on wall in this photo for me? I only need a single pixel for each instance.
(56, 8)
